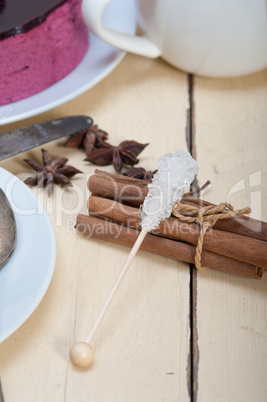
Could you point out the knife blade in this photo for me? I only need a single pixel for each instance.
(25, 138)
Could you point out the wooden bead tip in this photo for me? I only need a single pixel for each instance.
(81, 354)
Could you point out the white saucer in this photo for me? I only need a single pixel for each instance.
(98, 62)
(26, 276)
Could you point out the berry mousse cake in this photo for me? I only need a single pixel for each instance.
(41, 41)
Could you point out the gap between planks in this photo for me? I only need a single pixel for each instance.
(193, 357)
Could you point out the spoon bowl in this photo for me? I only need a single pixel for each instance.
(7, 229)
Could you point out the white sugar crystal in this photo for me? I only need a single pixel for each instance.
(175, 172)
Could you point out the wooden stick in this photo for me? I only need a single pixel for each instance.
(116, 285)
(82, 353)
(133, 192)
(179, 163)
(115, 233)
(224, 243)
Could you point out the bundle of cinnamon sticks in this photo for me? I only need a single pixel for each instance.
(234, 245)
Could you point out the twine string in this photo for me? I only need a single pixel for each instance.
(205, 217)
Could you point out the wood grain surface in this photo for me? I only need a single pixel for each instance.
(231, 313)
(142, 346)
(171, 334)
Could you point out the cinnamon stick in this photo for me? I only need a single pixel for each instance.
(223, 243)
(245, 226)
(117, 187)
(119, 234)
(133, 192)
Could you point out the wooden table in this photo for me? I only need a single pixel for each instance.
(172, 333)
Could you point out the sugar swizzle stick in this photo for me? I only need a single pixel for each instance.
(175, 172)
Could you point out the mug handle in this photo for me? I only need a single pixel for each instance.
(92, 11)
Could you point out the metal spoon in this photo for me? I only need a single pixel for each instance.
(7, 229)
(1, 393)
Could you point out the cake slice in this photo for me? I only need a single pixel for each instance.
(40, 43)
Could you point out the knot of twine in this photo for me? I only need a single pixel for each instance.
(206, 217)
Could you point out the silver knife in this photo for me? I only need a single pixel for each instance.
(23, 139)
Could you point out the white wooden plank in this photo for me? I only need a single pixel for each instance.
(231, 123)
(143, 344)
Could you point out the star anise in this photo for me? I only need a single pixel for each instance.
(87, 139)
(140, 173)
(125, 153)
(48, 173)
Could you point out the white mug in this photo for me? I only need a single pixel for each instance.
(215, 38)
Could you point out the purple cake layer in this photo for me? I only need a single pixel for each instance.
(33, 61)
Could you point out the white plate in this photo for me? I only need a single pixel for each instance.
(26, 276)
(98, 62)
